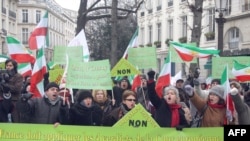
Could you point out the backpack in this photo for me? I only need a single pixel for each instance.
(196, 122)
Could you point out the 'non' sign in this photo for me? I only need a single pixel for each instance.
(123, 71)
(138, 123)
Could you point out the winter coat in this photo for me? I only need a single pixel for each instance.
(40, 110)
(5, 108)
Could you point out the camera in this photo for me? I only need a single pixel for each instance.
(4, 76)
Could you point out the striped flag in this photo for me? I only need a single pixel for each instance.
(3, 58)
(18, 52)
(132, 43)
(37, 38)
(189, 52)
(24, 69)
(226, 85)
(39, 69)
(241, 72)
(164, 78)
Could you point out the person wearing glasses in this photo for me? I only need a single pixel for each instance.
(128, 103)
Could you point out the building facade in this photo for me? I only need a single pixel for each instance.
(160, 21)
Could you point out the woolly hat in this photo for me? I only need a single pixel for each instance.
(180, 80)
(236, 85)
(82, 94)
(151, 74)
(217, 90)
(50, 85)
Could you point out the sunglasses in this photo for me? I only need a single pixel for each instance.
(131, 100)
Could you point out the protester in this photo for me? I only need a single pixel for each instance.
(83, 112)
(128, 103)
(215, 111)
(242, 108)
(11, 82)
(5, 107)
(183, 97)
(169, 112)
(43, 110)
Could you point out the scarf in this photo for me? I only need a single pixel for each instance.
(216, 105)
(175, 114)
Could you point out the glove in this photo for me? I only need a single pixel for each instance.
(26, 97)
(189, 90)
(196, 82)
(234, 91)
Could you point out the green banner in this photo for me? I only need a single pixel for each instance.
(74, 52)
(59, 54)
(44, 132)
(143, 58)
(219, 63)
(89, 75)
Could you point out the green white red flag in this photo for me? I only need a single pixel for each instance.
(39, 69)
(241, 72)
(132, 43)
(226, 85)
(24, 69)
(18, 52)
(164, 78)
(37, 39)
(189, 52)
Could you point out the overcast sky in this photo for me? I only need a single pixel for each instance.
(69, 4)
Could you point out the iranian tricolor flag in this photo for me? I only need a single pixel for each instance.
(24, 69)
(132, 43)
(189, 52)
(39, 69)
(37, 38)
(226, 85)
(164, 78)
(241, 72)
(18, 52)
(136, 82)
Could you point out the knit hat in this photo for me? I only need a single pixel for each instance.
(217, 90)
(151, 74)
(82, 94)
(180, 80)
(50, 85)
(236, 85)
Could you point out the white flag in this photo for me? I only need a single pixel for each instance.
(80, 40)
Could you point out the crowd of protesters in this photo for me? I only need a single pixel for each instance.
(177, 107)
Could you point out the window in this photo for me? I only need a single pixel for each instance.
(245, 5)
(25, 35)
(25, 16)
(170, 29)
(234, 35)
(184, 26)
(211, 21)
(159, 32)
(150, 33)
(159, 3)
(228, 8)
(170, 3)
(142, 35)
(149, 6)
(38, 16)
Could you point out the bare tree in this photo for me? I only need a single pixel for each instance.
(100, 9)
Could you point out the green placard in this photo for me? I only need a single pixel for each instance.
(219, 63)
(138, 117)
(55, 75)
(124, 68)
(89, 75)
(59, 54)
(143, 58)
(44, 132)
(75, 52)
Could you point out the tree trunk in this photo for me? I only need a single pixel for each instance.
(114, 20)
(81, 18)
(196, 32)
